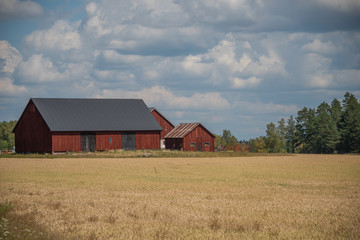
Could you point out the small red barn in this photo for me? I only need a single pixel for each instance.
(166, 125)
(60, 125)
(190, 137)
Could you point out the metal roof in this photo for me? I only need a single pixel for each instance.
(66, 114)
(181, 130)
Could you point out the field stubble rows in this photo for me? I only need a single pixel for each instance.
(267, 197)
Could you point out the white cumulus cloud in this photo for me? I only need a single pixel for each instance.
(8, 88)
(9, 57)
(61, 36)
(39, 69)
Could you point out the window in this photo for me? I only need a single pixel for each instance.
(192, 144)
(207, 144)
(110, 139)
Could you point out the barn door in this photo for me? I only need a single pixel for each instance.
(198, 146)
(128, 141)
(88, 142)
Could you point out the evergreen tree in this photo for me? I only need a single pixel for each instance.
(305, 130)
(336, 111)
(327, 136)
(350, 124)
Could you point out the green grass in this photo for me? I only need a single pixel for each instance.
(135, 154)
(262, 197)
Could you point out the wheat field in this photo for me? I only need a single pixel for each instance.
(261, 197)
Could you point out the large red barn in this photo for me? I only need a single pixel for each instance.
(61, 125)
(166, 125)
(190, 137)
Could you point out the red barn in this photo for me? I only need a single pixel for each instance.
(190, 137)
(60, 125)
(166, 125)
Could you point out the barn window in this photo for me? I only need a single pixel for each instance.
(192, 144)
(110, 140)
(207, 144)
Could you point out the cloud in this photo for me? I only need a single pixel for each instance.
(10, 9)
(341, 5)
(38, 69)
(151, 27)
(9, 57)
(226, 13)
(235, 63)
(317, 46)
(266, 108)
(160, 96)
(316, 71)
(7, 88)
(62, 36)
(246, 83)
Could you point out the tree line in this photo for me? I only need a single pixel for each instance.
(7, 138)
(328, 128)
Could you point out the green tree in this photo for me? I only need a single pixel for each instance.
(336, 111)
(7, 135)
(350, 124)
(273, 140)
(219, 142)
(229, 139)
(258, 145)
(305, 130)
(290, 137)
(282, 134)
(327, 136)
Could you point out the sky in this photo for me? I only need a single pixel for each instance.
(228, 64)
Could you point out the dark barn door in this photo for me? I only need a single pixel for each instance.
(128, 141)
(198, 144)
(198, 147)
(88, 142)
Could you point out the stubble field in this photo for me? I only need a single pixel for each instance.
(264, 197)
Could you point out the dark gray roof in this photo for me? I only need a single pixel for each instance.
(64, 114)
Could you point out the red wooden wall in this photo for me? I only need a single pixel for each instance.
(103, 141)
(31, 133)
(199, 135)
(66, 142)
(165, 124)
(71, 141)
(147, 140)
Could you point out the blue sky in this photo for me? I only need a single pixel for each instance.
(229, 64)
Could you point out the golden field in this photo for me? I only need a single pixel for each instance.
(259, 197)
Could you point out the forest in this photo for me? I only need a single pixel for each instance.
(333, 128)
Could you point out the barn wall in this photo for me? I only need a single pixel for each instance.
(199, 135)
(174, 143)
(166, 126)
(66, 142)
(31, 133)
(103, 142)
(147, 140)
